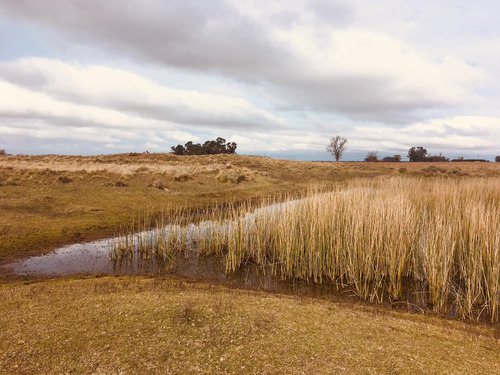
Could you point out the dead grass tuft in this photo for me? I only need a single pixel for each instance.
(64, 179)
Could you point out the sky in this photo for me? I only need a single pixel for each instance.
(279, 78)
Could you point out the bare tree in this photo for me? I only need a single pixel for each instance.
(371, 156)
(337, 146)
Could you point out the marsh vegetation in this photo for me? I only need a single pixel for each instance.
(379, 237)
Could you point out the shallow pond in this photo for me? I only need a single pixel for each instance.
(94, 257)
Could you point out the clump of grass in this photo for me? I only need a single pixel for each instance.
(64, 179)
(236, 177)
(188, 313)
(182, 176)
(7, 182)
(233, 177)
(159, 184)
(222, 177)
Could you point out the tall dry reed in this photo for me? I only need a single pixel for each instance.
(379, 237)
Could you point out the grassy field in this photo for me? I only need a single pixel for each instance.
(137, 325)
(131, 325)
(51, 200)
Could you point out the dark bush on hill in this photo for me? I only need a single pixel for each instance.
(219, 146)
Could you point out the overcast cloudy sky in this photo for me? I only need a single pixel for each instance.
(277, 77)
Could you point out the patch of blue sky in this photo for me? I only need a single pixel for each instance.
(19, 39)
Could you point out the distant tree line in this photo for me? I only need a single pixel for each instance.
(219, 146)
(414, 154)
(337, 146)
(372, 156)
(420, 154)
(395, 158)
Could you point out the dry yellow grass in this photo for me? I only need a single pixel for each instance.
(134, 325)
(51, 200)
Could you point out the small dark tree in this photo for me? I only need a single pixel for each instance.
(337, 146)
(371, 156)
(497, 158)
(188, 148)
(231, 147)
(178, 150)
(220, 145)
(210, 147)
(417, 154)
(2, 152)
(194, 149)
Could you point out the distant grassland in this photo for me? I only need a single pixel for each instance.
(51, 200)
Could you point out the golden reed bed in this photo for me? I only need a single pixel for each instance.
(379, 236)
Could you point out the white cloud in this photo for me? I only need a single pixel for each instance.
(26, 114)
(18, 102)
(125, 91)
(459, 133)
(278, 140)
(386, 75)
(312, 55)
